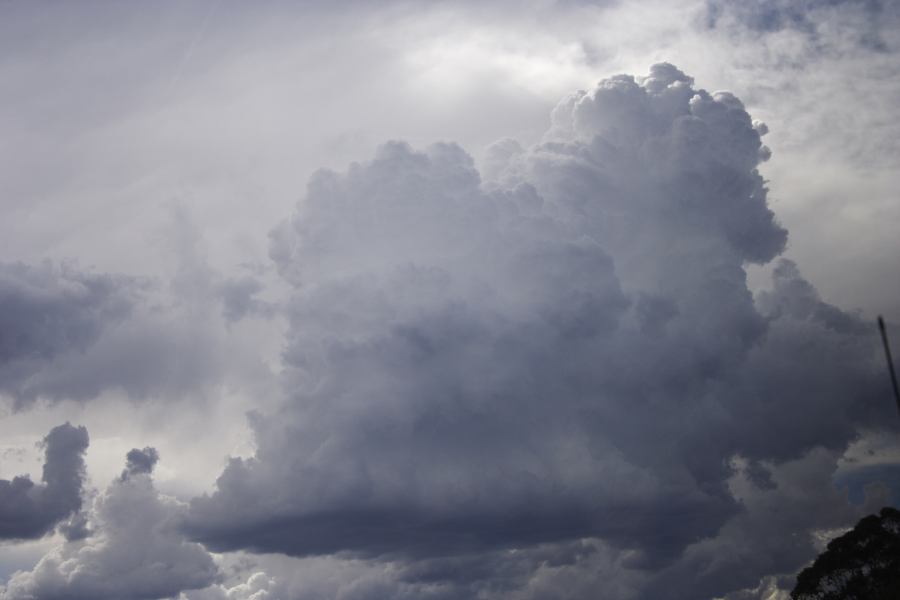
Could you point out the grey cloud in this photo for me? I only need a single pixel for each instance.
(76, 528)
(794, 296)
(865, 17)
(139, 462)
(50, 312)
(67, 334)
(700, 152)
(238, 295)
(770, 537)
(159, 353)
(29, 510)
(134, 553)
(568, 350)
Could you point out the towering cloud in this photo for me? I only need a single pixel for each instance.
(566, 350)
(134, 551)
(29, 510)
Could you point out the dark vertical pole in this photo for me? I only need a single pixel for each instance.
(890, 361)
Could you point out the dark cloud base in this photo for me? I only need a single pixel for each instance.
(400, 533)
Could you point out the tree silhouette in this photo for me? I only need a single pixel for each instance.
(862, 564)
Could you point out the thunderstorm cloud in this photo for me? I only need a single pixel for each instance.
(566, 351)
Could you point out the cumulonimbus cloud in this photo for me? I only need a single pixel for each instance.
(566, 348)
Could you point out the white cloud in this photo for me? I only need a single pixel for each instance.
(134, 551)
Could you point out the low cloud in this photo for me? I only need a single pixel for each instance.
(134, 551)
(29, 510)
(239, 299)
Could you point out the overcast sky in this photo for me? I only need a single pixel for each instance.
(446, 300)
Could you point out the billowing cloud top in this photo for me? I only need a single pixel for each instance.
(565, 348)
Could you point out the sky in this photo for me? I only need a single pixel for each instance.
(448, 300)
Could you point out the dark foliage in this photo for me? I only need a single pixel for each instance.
(863, 564)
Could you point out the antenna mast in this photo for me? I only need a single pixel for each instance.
(890, 361)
